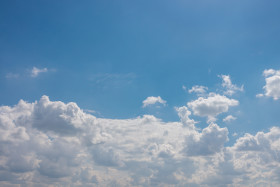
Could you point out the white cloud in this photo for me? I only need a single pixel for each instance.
(199, 90)
(258, 156)
(184, 114)
(36, 71)
(211, 106)
(229, 118)
(153, 100)
(234, 134)
(259, 95)
(270, 72)
(272, 86)
(51, 143)
(230, 88)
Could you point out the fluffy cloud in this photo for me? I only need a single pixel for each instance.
(51, 143)
(258, 157)
(153, 100)
(272, 86)
(36, 71)
(230, 88)
(211, 106)
(184, 114)
(210, 141)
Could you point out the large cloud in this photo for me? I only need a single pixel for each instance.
(211, 106)
(53, 143)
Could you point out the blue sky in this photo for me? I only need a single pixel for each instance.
(136, 49)
(110, 56)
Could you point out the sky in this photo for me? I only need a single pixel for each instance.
(139, 93)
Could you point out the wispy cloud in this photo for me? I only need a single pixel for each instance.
(36, 71)
(199, 90)
(12, 75)
(107, 80)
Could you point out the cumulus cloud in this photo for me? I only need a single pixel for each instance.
(258, 155)
(229, 118)
(210, 141)
(272, 84)
(52, 143)
(211, 106)
(36, 71)
(153, 100)
(230, 88)
(199, 90)
(184, 113)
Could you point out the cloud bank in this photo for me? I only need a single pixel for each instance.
(54, 143)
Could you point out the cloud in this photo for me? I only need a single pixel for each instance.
(229, 118)
(272, 84)
(12, 75)
(259, 95)
(184, 114)
(234, 134)
(230, 88)
(199, 90)
(153, 100)
(211, 106)
(208, 142)
(259, 156)
(52, 143)
(36, 71)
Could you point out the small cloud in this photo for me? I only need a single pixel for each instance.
(234, 134)
(229, 118)
(184, 88)
(259, 95)
(230, 88)
(153, 100)
(90, 111)
(199, 90)
(36, 71)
